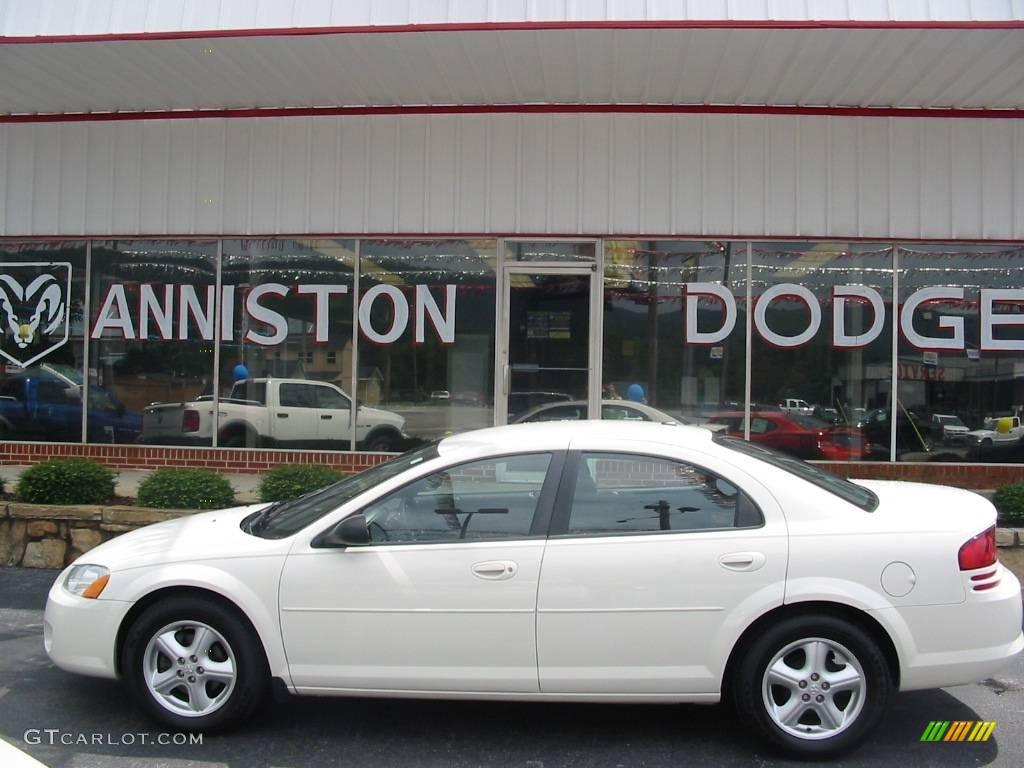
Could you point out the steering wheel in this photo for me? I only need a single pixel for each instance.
(383, 531)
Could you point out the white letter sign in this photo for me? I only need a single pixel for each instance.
(692, 293)
(840, 338)
(956, 324)
(777, 339)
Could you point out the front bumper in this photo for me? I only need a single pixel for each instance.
(80, 635)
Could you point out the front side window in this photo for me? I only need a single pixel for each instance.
(623, 493)
(330, 398)
(490, 499)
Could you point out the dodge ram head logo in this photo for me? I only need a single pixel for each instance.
(33, 309)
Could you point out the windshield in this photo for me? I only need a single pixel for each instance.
(293, 516)
(825, 480)
(953, 421)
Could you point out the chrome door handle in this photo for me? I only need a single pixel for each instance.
(495, 570)
(742, 561)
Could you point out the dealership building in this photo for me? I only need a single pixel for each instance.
(241, 234)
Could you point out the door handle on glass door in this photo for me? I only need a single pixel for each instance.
(742, 561)
(495, 570)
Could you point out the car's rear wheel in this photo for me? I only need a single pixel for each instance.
(194, 665)
(813, 686)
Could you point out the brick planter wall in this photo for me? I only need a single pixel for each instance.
(233, 460)
(257, 460)
(970, 476)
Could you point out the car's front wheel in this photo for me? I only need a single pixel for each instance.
(813, 686)
(193, 665)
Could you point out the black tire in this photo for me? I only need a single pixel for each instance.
(235, 440)
(809, 736)
(381, 442)
(241, 649)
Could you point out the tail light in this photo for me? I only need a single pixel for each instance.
(190, 421)
(978, 552)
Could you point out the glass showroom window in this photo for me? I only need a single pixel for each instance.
(674, 327)
(286, 348)
(961, 375)
(426, 317)
(821, 352)
(151, 342)
(42, 300)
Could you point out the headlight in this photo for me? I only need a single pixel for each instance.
(87, 580)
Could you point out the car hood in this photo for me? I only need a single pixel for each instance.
(203, 536)
(981, 433)
(914, 507)
(382, 416)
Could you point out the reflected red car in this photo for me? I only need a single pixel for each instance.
(802, 436)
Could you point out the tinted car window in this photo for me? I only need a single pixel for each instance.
(625, 493)
(251, 392)
(561, 413)
(621, 413)
(326, 397)
(490, 499)
(853, 493)
(298, 396)
(285, 518)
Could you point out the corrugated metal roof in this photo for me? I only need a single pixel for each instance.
(92, 17)
(917, 68)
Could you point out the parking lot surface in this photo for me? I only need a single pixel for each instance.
(67, 720)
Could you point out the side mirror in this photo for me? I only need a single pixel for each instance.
(350, 532)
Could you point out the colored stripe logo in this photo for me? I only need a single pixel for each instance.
(958, 730)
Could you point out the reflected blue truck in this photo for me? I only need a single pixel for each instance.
(42, 406)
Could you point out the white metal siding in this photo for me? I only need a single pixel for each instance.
(85, 17)
(557, 174)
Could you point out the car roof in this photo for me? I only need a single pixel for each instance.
(650, 410)
(557, 435)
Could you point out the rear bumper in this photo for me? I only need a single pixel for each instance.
(960, 643)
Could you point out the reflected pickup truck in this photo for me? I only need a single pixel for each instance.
(997, 432)
(283, 413)
(38, 405)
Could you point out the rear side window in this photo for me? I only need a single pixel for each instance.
(252, 392)
(626, 493)
(838, 486)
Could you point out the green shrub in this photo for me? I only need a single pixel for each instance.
(290, 481)
(1009, 500)
(186, 489)
(65, 481)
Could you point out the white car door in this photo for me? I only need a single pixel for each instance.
(333, 413)
(653, 568)
(444, 595)
(295, 418)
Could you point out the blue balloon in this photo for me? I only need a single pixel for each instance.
(635, 392)
(240, 372)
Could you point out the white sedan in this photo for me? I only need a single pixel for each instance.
(585, 561)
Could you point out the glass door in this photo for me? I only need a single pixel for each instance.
(548, 360)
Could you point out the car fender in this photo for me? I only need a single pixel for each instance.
(241, 581)
(861, 598)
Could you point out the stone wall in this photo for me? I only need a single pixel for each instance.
(44, 536)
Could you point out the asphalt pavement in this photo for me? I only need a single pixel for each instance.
(77, 722)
